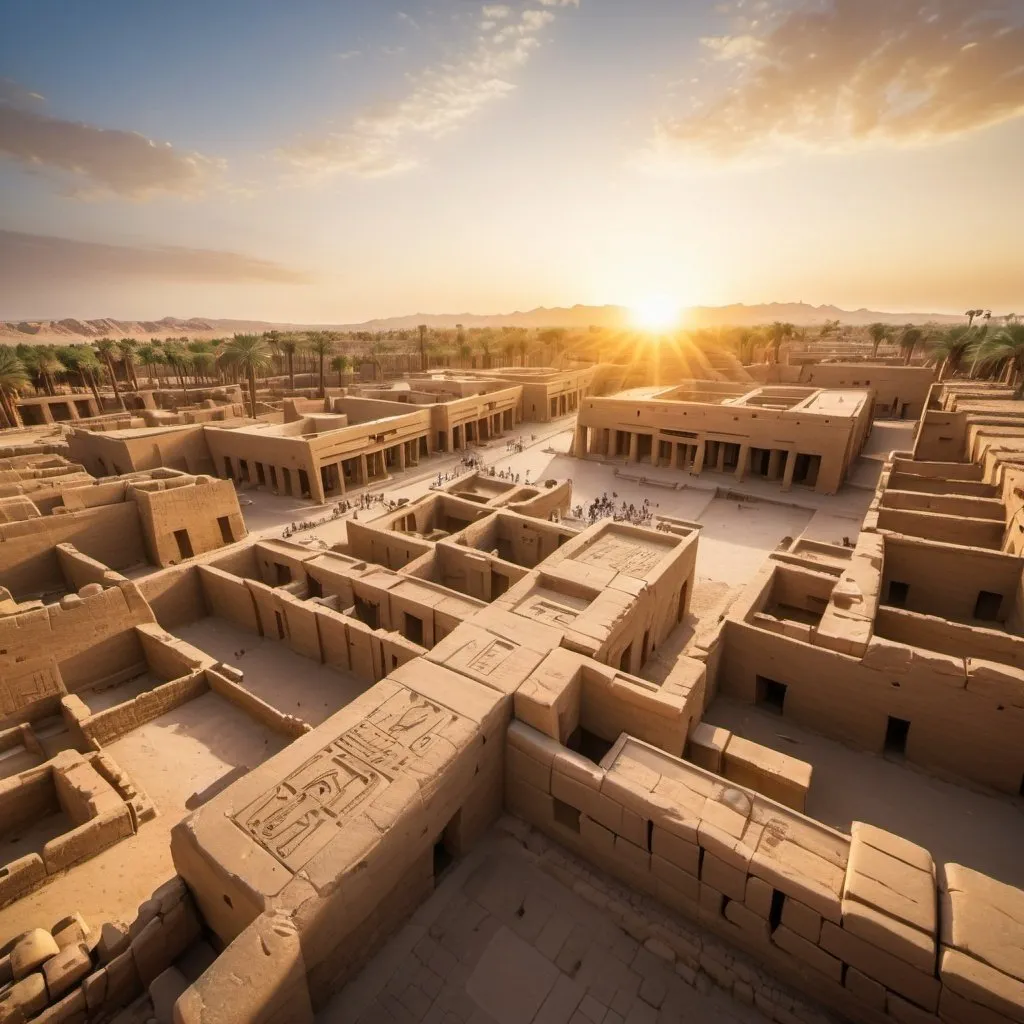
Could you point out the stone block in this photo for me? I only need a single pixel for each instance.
(32, 952)
(24, 999)
(66, 969)
(799, 918)
(706, 746)
(867, 990)
(808, 953)
(728, 880)
(164, 991)
(70, 930)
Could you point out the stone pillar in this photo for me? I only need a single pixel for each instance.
(774, 458)
(401, 456)
(721, 457)
(743, 461)
(787, 475)
(341, 477)
(579, 443)
(634, 446)
(364, 475)
(698, 459)
(316, 485)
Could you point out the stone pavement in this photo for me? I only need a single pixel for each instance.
(501, 941)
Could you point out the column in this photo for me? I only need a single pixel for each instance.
(401, 456)
(741, 463)
(774, 458)
(579, 444)
(364, 475)
(720, 465)
(316, 486)
(698, 459)
(341, 478)
(634, 446)
(787, 476)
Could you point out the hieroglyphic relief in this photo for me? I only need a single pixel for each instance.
(22, 689)
(487, 658)
(633, 557)
(303, 813)
(542, 610)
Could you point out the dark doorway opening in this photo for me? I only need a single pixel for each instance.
(283, 574)
(896, 732)
(770, 695)
(184, 543)
(280, 625)
(414, 629)
(987, 606)
(898, 592)
(446, 847)
(368, 613)
(225, 529)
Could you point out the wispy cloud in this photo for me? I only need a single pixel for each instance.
(840, 73)
(29, 259)
(383, 140)
(91, 161)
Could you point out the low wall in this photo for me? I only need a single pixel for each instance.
(220, 681)
(859, 923)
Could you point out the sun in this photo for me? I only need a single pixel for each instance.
(656, 313)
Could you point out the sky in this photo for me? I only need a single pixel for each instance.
(331, 161)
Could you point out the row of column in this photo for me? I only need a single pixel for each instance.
(484, 429)
(697, 455)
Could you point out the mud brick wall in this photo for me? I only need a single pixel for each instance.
(176, 595)
(861, 923)
(28, 562)
(110, 724)
(220, 681)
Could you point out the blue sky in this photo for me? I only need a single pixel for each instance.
(338, 161)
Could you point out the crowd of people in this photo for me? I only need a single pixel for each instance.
(607, 507)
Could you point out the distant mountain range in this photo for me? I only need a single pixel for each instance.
(801, 314)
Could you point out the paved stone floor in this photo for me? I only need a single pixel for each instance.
(503, 942)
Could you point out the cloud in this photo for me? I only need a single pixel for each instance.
(28, 259)
(835, 74)
(382, 140)
(95, 161)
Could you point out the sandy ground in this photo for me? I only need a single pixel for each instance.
(957, 824)
(171, 758)
(292, 684)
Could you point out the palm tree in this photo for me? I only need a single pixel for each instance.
(12, 379)
(423, 346)
(1007, 346)
(879, 333)
(150, 357)
(909, 340)
(971, 314)
(289, 345)
(321, 344)
(105, 348)
(948, 349)
(248, 354)
(82, 360)
(778, 333)
(126, 346)
(339, 364)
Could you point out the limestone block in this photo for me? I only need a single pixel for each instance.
(69, 1010)
(706, 746)
(32, 952)
(758, 897)
(907, 1013)
(865, 989)
(70, 931)
(24, 999)
(683, 854)
(895, 974)
(891, 885)
(112, 942)
(744, 918)
(982, 984)
(808, 952)
(66, 969)
(675, 878)
(802, 859)
(983, 919)
(21, 876)
(955, 1009)
(260, 978)
(727, 879)
(799, 918)
(164, 991)
(776, 775)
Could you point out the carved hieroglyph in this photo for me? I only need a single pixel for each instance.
(633, 557)
(304, 812)
(22, 689)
